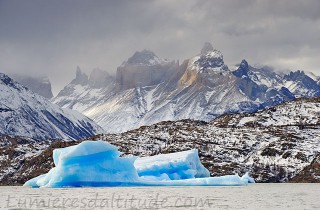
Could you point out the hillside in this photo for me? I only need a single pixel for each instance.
(283, 152)
(25, 113)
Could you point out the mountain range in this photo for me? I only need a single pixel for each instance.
(247, 119)
(148, 89)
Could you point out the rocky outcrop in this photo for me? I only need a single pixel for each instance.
(310, 173)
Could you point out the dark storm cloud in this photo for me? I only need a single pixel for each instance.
(53, 37)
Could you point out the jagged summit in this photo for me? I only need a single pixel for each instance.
(209, 58)
(98, 78)
(295, 75)
(201, 87)
(88, 90)
(207, 47)
(81, 78)
(144, 57)
(242, 70)
(244, 64)
(301, 84)
(78, 72)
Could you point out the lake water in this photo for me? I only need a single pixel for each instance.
(255, 196)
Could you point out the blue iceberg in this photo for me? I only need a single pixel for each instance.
(98, 164)
(174, 166)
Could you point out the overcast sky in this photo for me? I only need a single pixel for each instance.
(53, 37)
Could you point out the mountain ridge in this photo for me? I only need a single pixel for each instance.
(200, 88)
(28, 114)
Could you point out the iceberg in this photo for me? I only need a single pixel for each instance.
(99, 164)
(174, 166)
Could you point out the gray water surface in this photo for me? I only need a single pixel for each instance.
(255, 196)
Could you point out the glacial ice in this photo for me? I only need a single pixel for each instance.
(174, 166)
(98, 164)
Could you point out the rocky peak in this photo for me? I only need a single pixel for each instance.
(81, 78)
(297, 75)
(207, 47)
(301, 77)
(210, 60)
(145, 57)
(304, 81)
(244, 64)
(242, 70)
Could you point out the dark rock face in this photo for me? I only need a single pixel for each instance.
(310, 173)
(242, 70)
(251, 89)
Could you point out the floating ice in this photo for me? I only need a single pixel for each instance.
(248, 178)
(174, 166)
(98, 163)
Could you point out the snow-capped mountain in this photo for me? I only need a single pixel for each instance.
(278, 144)
(25, 113)
(148, 89)
(85, 91)
(301, 84)
(39, 85)
(261, 76)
